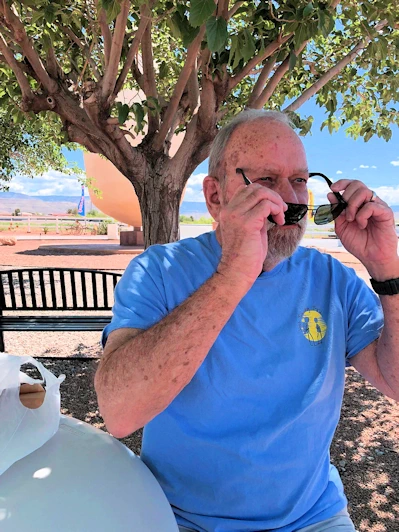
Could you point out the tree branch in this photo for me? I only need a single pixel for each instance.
(327, 76)
(271, 85)
(193, 89)
(150, 88)
(222, 9)
(275, 80)
(267, 52)
(145, 17)
(138, 75)
(234, 9)
(51, 63)
(111, 70)
(86, 51)
(106, 33)
(22, 39)
(14, 65)
(179, 88)
(261, 81)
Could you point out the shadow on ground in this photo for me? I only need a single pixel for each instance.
(365, 448)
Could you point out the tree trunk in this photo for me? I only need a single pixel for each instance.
(159, 198)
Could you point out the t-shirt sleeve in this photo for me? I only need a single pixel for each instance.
(365, 316)
(139, 296)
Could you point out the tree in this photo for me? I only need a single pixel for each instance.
(30, 147)
(195, 63)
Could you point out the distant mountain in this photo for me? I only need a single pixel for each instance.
(194, 208)
(51, 199)
(9, 201)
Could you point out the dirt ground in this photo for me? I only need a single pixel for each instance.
(366, 445)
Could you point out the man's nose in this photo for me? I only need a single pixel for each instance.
(287, 192)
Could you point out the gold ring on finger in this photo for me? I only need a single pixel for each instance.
(373, 196)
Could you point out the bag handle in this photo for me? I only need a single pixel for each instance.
(10, 370)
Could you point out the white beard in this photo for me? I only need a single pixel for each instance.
(282, 243)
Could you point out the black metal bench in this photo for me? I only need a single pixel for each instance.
(55, 289)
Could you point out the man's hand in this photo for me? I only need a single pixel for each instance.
(243, 230)
(367, 229)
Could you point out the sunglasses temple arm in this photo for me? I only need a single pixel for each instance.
(329, 183)
(246, 180)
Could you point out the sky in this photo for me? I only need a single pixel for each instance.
(376, 163)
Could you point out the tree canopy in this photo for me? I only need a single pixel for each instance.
(193, 64)
(30, 147)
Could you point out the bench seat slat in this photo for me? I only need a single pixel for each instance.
(52, 323)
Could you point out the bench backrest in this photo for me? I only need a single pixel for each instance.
(57, 289)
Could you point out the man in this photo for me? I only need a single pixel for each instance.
(231, 347)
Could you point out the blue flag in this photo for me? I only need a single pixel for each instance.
(81, 206)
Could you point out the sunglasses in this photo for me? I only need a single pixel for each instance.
(323, 214)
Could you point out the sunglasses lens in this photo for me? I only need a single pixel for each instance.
(295, 213)
(327, 213)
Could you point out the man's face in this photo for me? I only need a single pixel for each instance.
(271, 154)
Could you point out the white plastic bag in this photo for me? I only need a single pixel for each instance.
(23, 430)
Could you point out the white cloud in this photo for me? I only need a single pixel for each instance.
(373, 166)
(196, 179)
(338, 172)
(194, 188)
(193, 194)
(364, 166)
(395, 163)
(320, 190)
(49, 184)
(354, 169)
(388, 194)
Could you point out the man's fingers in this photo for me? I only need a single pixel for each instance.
(246, 198)
(355, 198)
(266, 208)
(358, 196)
(377, 211)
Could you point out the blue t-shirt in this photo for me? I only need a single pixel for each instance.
(245, 445)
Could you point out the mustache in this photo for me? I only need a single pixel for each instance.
(271, 227)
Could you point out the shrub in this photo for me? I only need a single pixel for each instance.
(102, 227)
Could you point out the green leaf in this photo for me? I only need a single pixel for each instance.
(308, 9)
(152, 104)
(46, 42)
(189, 34)
(36, 16)
(49, 14)
(200, 11)
(111, 7)
(368, 135)
(234, 52)
(248, 47)
(123, 113)
(292, 61)
(139, 113)
(326, 23)
(216, 33)
(163, 70)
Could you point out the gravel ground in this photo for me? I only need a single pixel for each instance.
(366, 445)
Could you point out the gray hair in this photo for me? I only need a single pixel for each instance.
(223, 136)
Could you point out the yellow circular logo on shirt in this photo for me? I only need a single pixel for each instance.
(313, 326)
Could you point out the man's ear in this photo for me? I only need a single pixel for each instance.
(213, 196)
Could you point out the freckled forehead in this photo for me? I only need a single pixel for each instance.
(263, 143)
